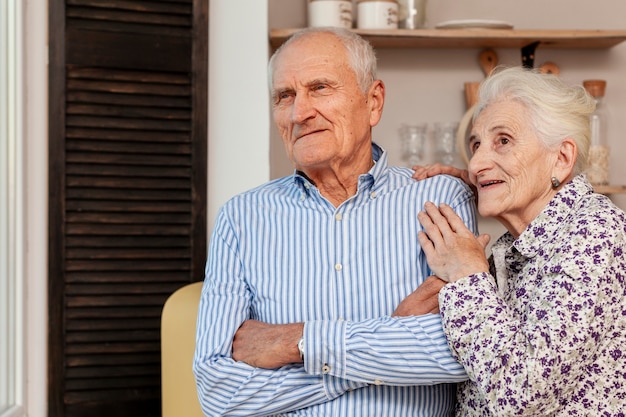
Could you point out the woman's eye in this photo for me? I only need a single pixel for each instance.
(504, 141)
(474, 146)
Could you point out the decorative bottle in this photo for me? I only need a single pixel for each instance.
(598, 169)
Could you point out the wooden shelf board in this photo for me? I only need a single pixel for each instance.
(610, 189)
(478, 38)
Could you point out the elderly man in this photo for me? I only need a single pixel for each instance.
(309, 305)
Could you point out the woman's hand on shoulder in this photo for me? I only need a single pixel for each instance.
(427, 171)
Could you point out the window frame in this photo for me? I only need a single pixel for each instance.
(11, 212)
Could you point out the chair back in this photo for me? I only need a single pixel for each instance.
(179, 396)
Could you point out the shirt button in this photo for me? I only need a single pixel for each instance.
(338, 267)
(378, 382)
(302, 197)
(338, 217)
(326, 368)
(373, 194)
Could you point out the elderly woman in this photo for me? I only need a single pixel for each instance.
(540, 327)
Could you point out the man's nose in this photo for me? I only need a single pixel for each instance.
(303, 108)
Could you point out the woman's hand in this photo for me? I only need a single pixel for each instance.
(452, 250)
(426, 171)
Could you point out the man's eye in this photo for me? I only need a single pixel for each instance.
(319, 87)
(504, 141)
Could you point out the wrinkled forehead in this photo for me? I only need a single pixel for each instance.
(318, 55)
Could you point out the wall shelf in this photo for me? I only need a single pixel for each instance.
(610, 189)
(478, 38)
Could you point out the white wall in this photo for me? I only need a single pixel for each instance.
(238, 99)
(36, 203)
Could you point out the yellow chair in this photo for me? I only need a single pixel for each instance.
(179, 397)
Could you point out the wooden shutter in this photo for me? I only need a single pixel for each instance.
(128, 125)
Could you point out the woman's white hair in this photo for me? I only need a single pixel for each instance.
(557, 110)
(361, 55)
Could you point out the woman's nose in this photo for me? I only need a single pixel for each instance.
(478, 162)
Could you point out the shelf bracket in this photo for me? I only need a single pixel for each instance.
(528, 54)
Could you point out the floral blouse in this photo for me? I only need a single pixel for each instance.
(547, 335)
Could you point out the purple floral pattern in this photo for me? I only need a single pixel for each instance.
(544, 334)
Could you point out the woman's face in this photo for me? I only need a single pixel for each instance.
(510, 166)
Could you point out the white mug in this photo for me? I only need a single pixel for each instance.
(336, 13)
(377, 14)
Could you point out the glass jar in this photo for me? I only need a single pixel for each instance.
(598, 168)
(411, 14)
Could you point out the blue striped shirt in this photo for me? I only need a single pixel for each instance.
(281, 253)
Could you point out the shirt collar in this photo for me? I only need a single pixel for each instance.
(379, 155)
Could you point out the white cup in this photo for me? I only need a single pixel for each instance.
(377, 14)
(336, 13)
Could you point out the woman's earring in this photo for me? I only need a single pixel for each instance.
(555, 182)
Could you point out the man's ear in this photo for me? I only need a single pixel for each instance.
(566, 159)
(376, 101)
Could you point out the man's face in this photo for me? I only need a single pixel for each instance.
(323, 116)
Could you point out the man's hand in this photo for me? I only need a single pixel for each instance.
(267, 346)
(423, 300)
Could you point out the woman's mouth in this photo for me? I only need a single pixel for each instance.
(486, 184)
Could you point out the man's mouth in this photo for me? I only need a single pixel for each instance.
(305, 134)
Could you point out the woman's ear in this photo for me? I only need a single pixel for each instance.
(566, 159)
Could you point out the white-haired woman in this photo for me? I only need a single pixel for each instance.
(540, 327)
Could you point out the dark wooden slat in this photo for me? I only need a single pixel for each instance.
(126, 135)
(142, 404)
(56, 197)
(124, 27)
(103, 383)
(157, 89)
(128, 253)
(110, 218)
(127, 99)
(127, 195)
(126, 266)
(118, 359)
(127, 241)
(118, 336)
(74, 301)
(161, 19)
(139, 277)
(113, 324)
(199, 133)
(96, 313)
(143, 52)
(143, 6)
(129, 112)
(122, 288)
(112, 371)
(128, 159)
(122, 123)
(75, 349)
(127, 206)
(129, 170)
(125, 182)
(144, 77)
(127, 147)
